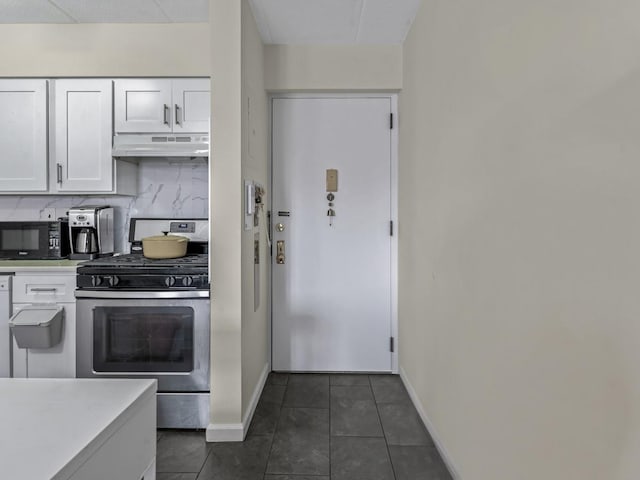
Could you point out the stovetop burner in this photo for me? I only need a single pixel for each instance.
(134, 260)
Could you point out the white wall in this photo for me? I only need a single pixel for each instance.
(519, 234)
(256, 329)
(226, 219)
(333, 67)
(240, 336)
(103, 49)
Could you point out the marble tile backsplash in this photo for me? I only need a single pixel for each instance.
(168, 190)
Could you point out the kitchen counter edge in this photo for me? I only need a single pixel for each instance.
(48, 266)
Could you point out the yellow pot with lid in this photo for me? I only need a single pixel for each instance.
(164, 246)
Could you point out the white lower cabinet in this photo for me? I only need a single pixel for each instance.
(58, 361)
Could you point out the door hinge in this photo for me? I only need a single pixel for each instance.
(391, 228)
(391, 121)
(391, 345)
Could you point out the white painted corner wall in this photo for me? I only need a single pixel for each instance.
(256, 167)
(519, 233)
(225, 219)
(240, 355)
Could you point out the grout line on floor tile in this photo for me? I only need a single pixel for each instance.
(330, 415)
(310, 408)
(275, 430)
(384, 435)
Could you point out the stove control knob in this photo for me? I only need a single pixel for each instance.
(96, 280)
(113, 280)
(170, 281)
(187, 281)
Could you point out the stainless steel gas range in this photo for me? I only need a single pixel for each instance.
(143, 318)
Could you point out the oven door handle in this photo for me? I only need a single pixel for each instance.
(120, 294)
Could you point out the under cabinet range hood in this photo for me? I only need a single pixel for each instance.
(159, 145)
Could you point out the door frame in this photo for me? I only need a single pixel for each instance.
(393, 101)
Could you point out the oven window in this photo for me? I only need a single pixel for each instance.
(143, 339)
(20, 239)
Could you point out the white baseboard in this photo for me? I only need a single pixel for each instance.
(248, 416)
(225, 432)
(236, 432)
(427, 423)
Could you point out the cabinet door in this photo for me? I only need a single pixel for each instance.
(23, 135)
(191, 105)
(83, 135)
(56, 362)
(143, 106)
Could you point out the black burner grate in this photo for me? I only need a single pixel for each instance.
(133, 260)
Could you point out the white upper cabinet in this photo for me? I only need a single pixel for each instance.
(191, 105)
(142, 105)
(83, 135)
(162, 105)
(23, 135)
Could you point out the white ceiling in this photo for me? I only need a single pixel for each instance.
(103, 11)
(279, 21)
(334, 21)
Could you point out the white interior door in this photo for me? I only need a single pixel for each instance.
(332, 294)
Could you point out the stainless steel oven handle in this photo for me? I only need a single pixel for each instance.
(119, 294)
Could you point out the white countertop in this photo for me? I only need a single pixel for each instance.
(49, 427)
(52, 266)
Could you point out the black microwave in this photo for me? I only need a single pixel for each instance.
(34, 240)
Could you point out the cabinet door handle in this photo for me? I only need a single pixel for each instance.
(177, 114)
(40, 289)
(166, 114)
(59, 172)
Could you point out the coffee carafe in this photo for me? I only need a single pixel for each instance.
(91, 231)
(86, 241)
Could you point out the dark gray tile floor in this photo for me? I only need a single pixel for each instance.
(314, 427)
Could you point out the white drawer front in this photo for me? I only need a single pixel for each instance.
(44, 289)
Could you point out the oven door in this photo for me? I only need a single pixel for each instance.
(158, 335)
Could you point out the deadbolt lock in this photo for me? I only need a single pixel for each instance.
(280, 227)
